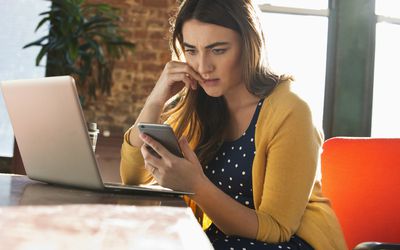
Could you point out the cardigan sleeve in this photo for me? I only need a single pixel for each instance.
(132, 169)
(291, 146)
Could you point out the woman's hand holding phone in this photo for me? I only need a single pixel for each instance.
(171, 171)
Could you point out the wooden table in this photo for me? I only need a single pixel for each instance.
(35, 215)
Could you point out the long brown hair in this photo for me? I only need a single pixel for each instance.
(198, 115)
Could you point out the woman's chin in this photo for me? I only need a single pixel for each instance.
(213, 92)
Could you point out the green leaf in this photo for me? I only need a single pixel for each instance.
(37, 42)
(44, 20)
(83, 39)
(43, 51)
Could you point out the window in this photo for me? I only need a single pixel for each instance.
(18, 22)
(302, 4)
(296, 36)
(386, 101)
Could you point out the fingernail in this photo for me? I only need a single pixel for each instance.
(143, 136)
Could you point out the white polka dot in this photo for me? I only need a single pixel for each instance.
(251, 243)
(229, 186)
(247, 203)
(241, 184)
(240, 193)
(216, 158)
(230, 178)
(289, 248)
(236, 165)
(220, 183)
(243, 173)
(229, 160)
(243, 248)
(238, 239)
(213, 172)
(244, 155)
(254, 152)
(244, 133)
(226, 240)
(223, 153)
(252, 139)
(240, 148)
(233, 148)
(236, 197)
(279, 246)
(232, 248)
(259, 104)
(216, 231)
(222, 170)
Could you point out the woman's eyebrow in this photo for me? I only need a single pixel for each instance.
(210, 46)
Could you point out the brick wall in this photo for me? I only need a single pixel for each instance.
(146, 23)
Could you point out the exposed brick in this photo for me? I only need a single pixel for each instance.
(140, 34)
(157, 35)
(145, 56)
(155, 3)
(152, 67)
(146, 24)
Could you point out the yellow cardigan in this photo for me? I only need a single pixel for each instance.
(286, 174)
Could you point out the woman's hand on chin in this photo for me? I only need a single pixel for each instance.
(175, 76)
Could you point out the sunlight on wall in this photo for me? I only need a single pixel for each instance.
(389, 8)
(297, 45)
(386, 101)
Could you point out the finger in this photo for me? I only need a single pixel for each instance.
(149, 157)
(183, 77)
(148, 167)
(155, 145)
(179, 67)
(154, 172)
(186, 150)
(193, 82)
(151, 151)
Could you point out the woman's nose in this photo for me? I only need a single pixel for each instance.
(205, 65)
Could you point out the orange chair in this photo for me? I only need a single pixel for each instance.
(361, 177)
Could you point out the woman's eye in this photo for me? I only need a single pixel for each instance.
(218, 51)
(190, 51)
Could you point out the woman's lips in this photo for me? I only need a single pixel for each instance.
(211, 82)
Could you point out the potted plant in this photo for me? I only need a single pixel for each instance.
(84, 41)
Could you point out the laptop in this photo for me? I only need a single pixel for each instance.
(52, 136)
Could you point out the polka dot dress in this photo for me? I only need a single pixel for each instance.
(230, 170)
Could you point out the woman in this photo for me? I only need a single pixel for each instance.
(250, 148)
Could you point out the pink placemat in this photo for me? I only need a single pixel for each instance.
(100, 227)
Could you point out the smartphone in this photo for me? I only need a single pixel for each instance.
(162, 133)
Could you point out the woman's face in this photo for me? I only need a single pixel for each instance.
(214, 51)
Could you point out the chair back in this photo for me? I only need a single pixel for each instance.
(361, 177)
